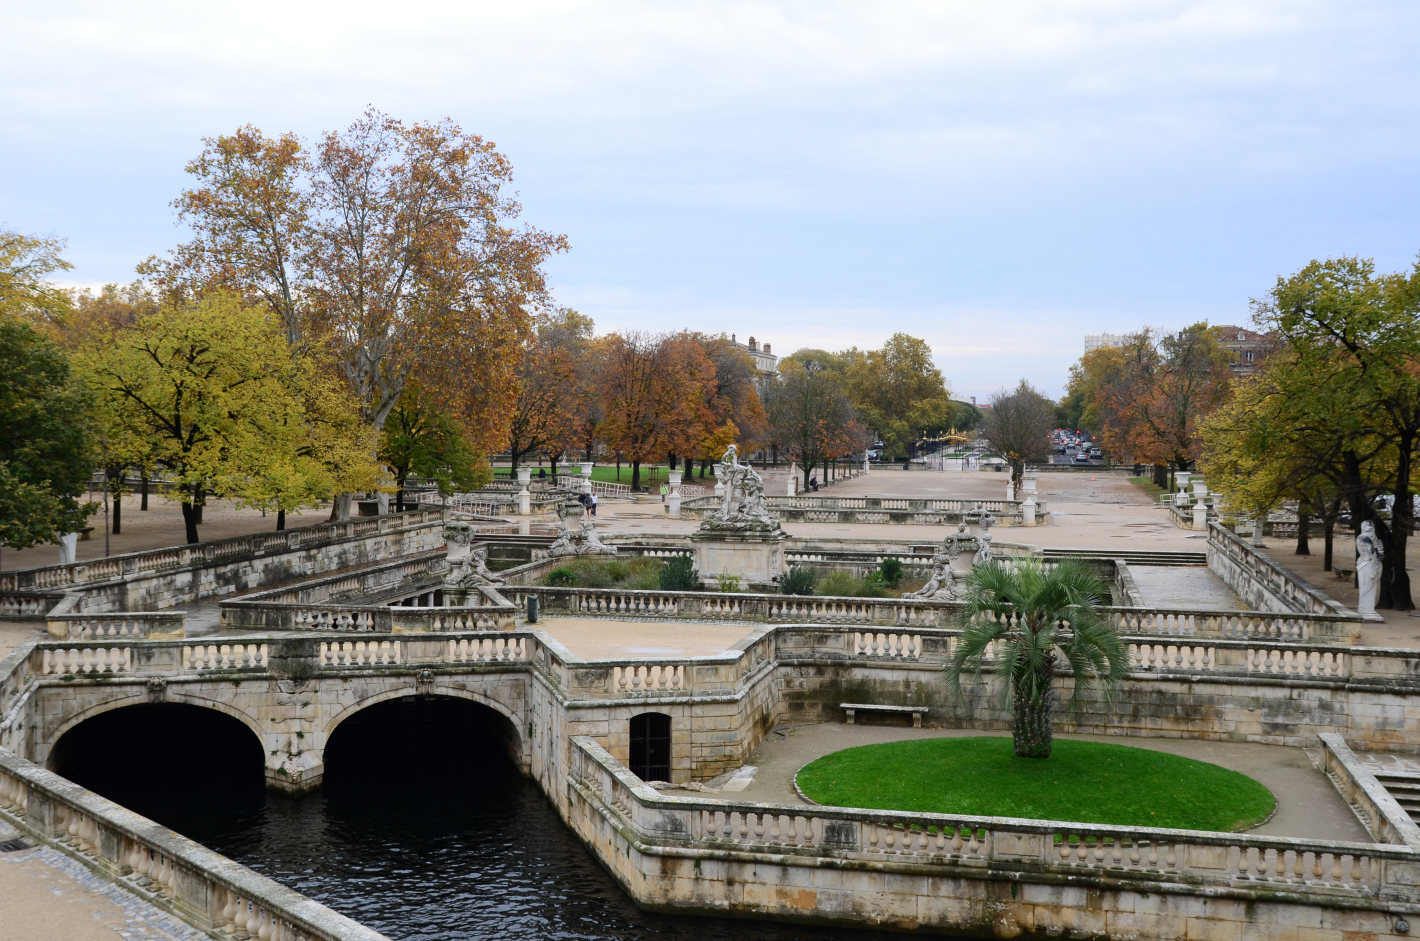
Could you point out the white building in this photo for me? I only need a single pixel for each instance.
(764, 361)
(1096, 340)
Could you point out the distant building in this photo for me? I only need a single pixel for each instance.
(1247, 348)
(764, 361)
(1097, 340)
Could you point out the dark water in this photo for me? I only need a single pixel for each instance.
(423, 830)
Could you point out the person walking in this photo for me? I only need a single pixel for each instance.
(665, 489)
(594, 504)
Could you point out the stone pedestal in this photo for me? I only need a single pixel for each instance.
(524, 496)
(1028, 509)
(587, 476)
(1200, 516)
(1010, 490)
(675, 493)
(756, 557)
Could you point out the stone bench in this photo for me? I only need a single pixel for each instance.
(1342, 572)
(853, 708)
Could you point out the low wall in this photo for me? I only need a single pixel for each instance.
(978, 876)
(164, 578)
(1261, 582)
(877, 509)
(171, 872)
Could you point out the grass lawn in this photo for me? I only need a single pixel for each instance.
(1089, 782)
(608, 474)
(1147, 485)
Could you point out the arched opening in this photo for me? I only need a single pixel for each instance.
(429, 738)
(651, 746)
(171, 762)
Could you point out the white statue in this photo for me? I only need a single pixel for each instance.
(578, 542)
(983, 555)
(742, 504)
(1369, 553)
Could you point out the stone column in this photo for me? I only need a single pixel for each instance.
(1010, 490)
(524, 497)
(792, 487)
(1028, 509)
(587, 476)
(1200, 516)
(1258, 521)
(675, 492)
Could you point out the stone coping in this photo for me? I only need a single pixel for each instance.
(1381, 813)
(1293, 587)
(201, 887)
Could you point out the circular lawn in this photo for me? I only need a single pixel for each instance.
(1088, 782)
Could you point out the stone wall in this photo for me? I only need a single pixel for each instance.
(1262, 583)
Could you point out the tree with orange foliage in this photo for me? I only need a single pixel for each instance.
(653, 391)
(810, 415)
(548, 388)
(390, 249)
(1156, 392)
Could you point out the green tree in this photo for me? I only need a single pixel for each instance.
(226, 408)
(1027, 613)
(47, 441)
(423, 440)
(26, 292)
(899, 392)
(810, 415)
(1352, 340)
(1018, 426)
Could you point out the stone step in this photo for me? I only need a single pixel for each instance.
(1132, 557)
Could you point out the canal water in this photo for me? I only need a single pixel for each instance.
(423, 830)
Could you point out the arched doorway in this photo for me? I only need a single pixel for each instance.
(178, 764)
(651, 746)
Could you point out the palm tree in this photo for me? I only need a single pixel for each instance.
(1027, 612)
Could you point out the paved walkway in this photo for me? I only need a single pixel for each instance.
(599, 638)
(46, 896)
(1308, 805)
(1194, 586)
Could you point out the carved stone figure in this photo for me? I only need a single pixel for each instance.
(1369, 553)
(578, 542)
(983, 555)
(742, 505)
(942, 585)
(468, 567)
(955, 542)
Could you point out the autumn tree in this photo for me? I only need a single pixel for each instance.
(810, 415)
(389, 249)
(549, 390)
(26, 293)
(899, 392)
(1350, 350)
(1151, 397)
(224, 404)
(737, 411)
(1018, 425)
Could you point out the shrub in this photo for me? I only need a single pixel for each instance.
(891, 570)
(562, 578)
(679, 575)
(728, 582)
(839, 584)
(874, 586)
(798, 581)
(592, 573)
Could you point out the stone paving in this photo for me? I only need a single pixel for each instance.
(1308, 804)
(47, 896)
(1173, 586)
(598, 638)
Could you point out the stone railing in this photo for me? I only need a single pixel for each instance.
(28, 605)
(1261, 582)
(378, 618)
(171, 872)
(786, 838)
(1385, 818)
(78, 574)
(873, 509)
(1164, 622)
(388, 578)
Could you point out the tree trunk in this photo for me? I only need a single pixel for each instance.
(118, 512)
(552, 459)
(189, 518)
(1030, 726)
(1304, 528)
(1401, 512)
(1328, 523)
(635, 476)
(280, 520)
(199, 501)
(144, 504)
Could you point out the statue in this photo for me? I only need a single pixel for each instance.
(578, 542)
(742, 506)
(942, 585)
(468, 567)
(952, 545)
(1369, 553)
(983, 555)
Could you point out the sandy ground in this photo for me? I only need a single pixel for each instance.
(1308, 805)
(160, 526)
(45, 896)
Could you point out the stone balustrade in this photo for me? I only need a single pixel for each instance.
(1168, 622)
(1383, 815)
(270, 615)
(1263, 583)
(175, 874)
(873, 509)
(28, 605)
(671, 833)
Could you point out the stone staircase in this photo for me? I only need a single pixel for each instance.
(1132, 556)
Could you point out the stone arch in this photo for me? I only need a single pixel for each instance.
(138, 698)
(519, 751)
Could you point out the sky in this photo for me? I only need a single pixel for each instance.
(997, 178)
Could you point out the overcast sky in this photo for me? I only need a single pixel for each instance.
(998, 178)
